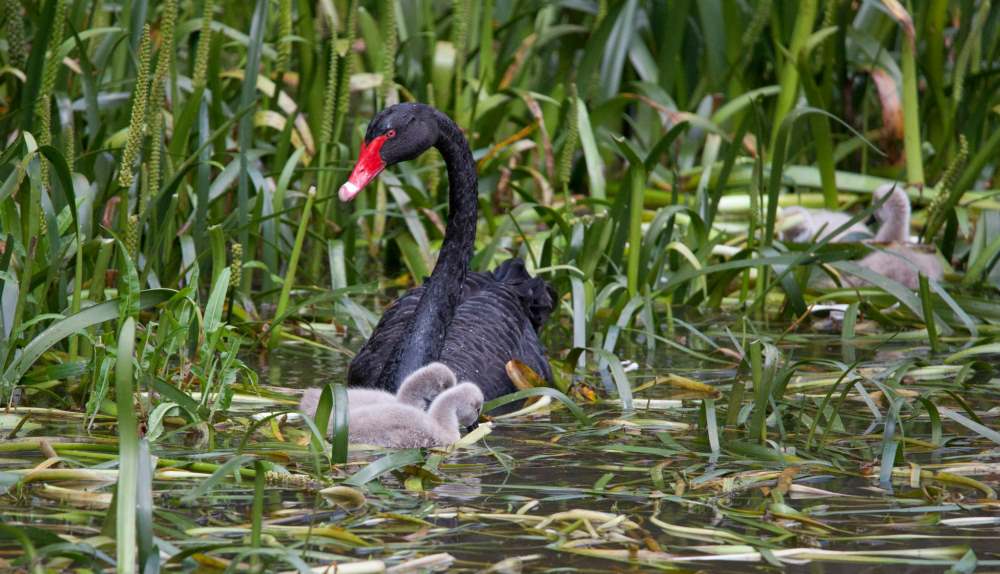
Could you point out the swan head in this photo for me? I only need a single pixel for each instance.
(396, 134)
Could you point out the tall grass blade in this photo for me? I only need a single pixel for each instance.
(592, 157)
(286, 287)
(128, 452)
(805, 16)
(248, 92)
(257, 510)
(149, 553)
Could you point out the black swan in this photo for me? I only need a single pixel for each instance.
(418, 390)
(396, 425)
(898, 258)
(803, 224)
(473, 322)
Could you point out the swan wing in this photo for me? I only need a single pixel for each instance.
(490, 329)
(496, 321)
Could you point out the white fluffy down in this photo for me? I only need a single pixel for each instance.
(380, 418)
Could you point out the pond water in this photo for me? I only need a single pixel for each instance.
(543, 493)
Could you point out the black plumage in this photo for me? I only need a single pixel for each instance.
(473, 322)
(495, 321)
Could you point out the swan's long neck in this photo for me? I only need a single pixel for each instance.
(425, 335)
(444, 413)
(895, 225)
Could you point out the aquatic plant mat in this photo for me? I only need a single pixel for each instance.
(665, 485)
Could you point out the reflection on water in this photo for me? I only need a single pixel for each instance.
(299, 367)
(463, 489)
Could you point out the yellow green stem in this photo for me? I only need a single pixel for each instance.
(293, 263)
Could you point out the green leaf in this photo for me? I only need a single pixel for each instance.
(591, 155)
(36, 63)
(537, 392)
(986, 349)
(413, 257)
(75, 323)
(616, 49)
(333, 401)
(248, 90)
(231, 466)
(339, 431)
(663, 144)
(58, 163)
(622, 384)
(216, 302)
(128, 284)
(126, 495)
(149, 555)
(983, 263)
(385, 464)
(154, 427)
(970, 424)
(778, 161)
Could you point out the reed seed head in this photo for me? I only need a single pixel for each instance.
(236, 266)
(204, 43)
(132, 236)
(138, 118)
(17, 52)
(284, 43)
(390, 44)
(330, 95)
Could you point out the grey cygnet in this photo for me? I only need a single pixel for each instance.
(898, 259)
(817, 224)
(418, 390)
(403, 426)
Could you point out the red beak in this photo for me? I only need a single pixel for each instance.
(369, 165)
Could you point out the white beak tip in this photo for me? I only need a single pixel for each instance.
(348, 191)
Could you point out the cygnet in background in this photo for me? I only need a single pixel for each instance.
(897, 258)
(801, 224)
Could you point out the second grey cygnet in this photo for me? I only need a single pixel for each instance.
(897, 258)
(379, 418)
(418, 390)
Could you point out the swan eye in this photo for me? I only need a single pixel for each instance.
(390, 134)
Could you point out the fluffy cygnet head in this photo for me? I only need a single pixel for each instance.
(470, 404)
(425, 384)
(799, 231)
(458, 406)
(894, 215)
